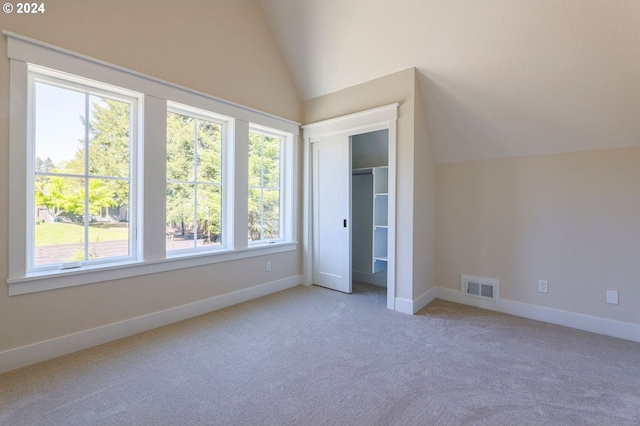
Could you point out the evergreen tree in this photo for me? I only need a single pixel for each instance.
(194, 161)
(109, 144)
(264, 186)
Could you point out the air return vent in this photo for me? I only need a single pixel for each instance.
(483, 288)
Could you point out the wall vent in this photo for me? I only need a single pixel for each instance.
(482, 288)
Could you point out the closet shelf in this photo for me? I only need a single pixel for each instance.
(379, 194)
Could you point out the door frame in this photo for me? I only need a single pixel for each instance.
(384, 117)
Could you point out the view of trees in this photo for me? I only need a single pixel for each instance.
(108, 149)
(101, 166)
(264, 186)
(194, 167)
(59, 195)
(86, 182)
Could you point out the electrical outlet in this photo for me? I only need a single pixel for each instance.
(543, 286)
(269, 266)
(612, 297)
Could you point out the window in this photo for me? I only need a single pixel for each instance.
(82, 170)
(194, 180)
(110, 179)
(265, 178)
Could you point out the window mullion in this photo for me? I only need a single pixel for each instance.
(238, 184)
(154, 193)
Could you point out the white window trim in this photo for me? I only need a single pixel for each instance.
(152, 257)
(98, 273)
(25, 49)
(286, 184)
(42, 75)
(227, 123)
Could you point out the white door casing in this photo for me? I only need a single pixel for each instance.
(384, 117)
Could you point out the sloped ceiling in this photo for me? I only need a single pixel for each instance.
(498, 78)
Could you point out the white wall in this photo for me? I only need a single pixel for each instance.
(424, 204)
(224, 48)
(572, 219)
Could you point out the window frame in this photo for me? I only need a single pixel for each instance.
(283, 186)
(37, 74)
(225, 162)
(156, 94)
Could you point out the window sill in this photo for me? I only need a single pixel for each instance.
(50, 280)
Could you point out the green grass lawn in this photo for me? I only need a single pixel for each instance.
(48, 234)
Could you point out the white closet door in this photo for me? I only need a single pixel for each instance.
(331, 214)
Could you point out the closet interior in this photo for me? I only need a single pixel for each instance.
(370, 204)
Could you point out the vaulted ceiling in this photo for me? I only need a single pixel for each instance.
(498, 78)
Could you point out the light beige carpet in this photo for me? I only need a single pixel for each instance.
(311, 356)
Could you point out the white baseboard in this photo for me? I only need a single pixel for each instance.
(410, 307)
(619, 329)
(425, 298)
(49, 349)
(404, 306)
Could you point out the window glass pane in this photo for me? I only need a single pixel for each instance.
(180, 147)
(59, 233)
(271, 162)
(271, 214)
(264, 186)
(255, 160)
(180, 214)
(70, 226)
(108, 218)
(209, 208)
(209, 158)
(194, 182)
(255, 212)
(59, 129)
(109, 141)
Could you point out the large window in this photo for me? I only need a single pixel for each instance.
(194, 180)
(265, 178)
(81, 173)
(115, 174)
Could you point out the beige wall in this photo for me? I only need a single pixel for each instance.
(398, 87)
(223, 48)
(572, 219)
(424, 204)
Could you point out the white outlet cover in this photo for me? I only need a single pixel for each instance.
(543, 286)
(612, 297)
